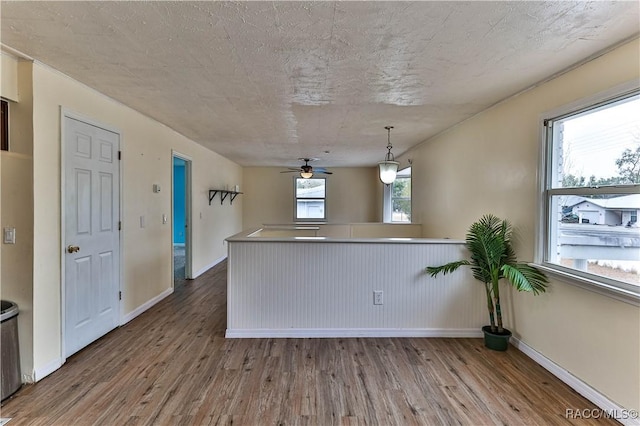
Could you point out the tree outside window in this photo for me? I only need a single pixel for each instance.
(401, 199)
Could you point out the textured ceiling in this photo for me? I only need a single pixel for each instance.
(264, 83)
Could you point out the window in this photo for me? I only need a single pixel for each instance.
(591, 195)
(401, 197)
(310, 199)
(4, 125)
(397, 198)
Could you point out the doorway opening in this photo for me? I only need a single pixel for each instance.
(181, 218)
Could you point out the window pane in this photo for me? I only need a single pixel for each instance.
(401, 199)
(310, 188)
(310, 199)
(596, 235)
(598, 147)
(310, 209)
(401, 210)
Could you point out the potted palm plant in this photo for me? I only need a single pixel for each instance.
(492, 259)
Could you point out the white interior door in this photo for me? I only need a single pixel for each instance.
(92, 210)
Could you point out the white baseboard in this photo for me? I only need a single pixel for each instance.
(209, 266)
(145, 306)
(45, 370)
(604, 403)
(297, 333)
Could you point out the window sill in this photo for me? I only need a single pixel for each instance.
(630, 295)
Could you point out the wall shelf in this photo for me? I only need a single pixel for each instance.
(224, 193)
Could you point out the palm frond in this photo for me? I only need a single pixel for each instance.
(481, 273)
(525, 278)
(486, 244)
(509, 256)
(446, 269)
(489, 221)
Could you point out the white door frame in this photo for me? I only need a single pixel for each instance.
(188, 240)
(67, 113)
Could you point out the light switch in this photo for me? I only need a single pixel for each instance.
(156, 188)
(9, 235)
(141, 221)
(164, 219)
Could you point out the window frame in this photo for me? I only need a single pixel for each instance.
(296, 198)
(615, 289)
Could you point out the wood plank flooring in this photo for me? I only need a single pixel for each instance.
(172, 365)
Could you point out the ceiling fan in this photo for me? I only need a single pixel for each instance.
(306, 171)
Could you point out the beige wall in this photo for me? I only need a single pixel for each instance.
(8, 77)
(352, 196)
(147, 149)
(489, 164)
(16, 205)
(17, 259)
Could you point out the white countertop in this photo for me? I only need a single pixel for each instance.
(246, 237)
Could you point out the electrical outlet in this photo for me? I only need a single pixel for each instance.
(377, 297)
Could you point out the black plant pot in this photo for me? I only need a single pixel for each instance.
(496, 341)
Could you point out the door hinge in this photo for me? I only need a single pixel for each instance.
(119, 295)
(120, 226)
(119, 155)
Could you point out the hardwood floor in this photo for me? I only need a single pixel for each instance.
(172, 365)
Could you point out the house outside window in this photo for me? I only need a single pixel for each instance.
(397, 198)
(310, 199)
(591, 194)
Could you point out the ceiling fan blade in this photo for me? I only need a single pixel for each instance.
(290, 171)
(323, 172)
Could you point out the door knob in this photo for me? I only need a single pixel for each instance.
(73, 249)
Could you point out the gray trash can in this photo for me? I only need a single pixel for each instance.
(9, 352)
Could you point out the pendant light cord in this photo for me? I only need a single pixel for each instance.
(389, 156)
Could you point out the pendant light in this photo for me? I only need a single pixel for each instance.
(388, 167)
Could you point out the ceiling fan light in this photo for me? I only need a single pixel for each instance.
(306, 175)
(388, 171)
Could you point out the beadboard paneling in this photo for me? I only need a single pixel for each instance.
(319, 285)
